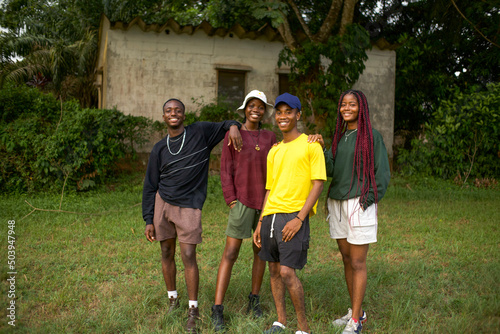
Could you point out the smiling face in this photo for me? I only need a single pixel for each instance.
(254, 110)
(173, 114)
(286, 117)
(349, 109)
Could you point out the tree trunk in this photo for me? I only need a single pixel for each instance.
(326, 28)
(347, 15)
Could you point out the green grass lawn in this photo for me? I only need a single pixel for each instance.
(435, 268)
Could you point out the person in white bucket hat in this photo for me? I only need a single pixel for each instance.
(243, 179)
(257, 94)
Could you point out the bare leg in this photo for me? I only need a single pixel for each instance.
(296, 291)
(258, 269)
(344, 248)
(191, 273)
(354, 257)
(229, 257)
(168, 266)
(278, 290)
(359, 277)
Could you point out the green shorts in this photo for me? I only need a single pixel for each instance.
(242, 221)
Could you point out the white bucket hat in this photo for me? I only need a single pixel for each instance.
(255, 94)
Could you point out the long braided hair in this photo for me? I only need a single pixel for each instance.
(363, 163)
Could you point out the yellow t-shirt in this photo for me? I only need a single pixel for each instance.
(291, 167)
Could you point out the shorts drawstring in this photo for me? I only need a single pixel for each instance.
(272, 226)
(340, 211)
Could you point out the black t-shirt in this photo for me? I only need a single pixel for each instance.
(179, 170)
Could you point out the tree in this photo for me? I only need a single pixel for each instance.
(443, 44)
(57, 40)
(324, 49)
(57, 43)
(460, 139)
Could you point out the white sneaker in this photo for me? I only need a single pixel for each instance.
(353, 327)
(345, 319)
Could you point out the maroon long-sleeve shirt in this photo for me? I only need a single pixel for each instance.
(243, 174)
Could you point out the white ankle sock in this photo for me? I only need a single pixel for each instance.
(193, 303)
(172, 294)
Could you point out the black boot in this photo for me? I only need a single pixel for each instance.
(218, 317)
(254, 305)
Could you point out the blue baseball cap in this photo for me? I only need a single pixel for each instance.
(292, 100)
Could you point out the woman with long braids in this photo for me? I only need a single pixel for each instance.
(359, 167)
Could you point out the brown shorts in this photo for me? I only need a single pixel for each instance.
(172, 221)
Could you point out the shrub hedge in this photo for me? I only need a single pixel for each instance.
(44, 143)
(461, 140)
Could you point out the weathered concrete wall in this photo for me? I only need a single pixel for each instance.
(378, 83)
(147, 68)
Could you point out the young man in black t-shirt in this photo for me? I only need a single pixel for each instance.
(175, 188)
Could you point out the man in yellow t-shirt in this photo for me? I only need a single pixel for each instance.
(295, 175)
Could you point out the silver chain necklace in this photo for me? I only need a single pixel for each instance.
(350, 133)
(173, 141)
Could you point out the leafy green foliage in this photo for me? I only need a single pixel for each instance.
(442, 45)
(270, 10)
(415, 60)
(184, 12)
(461, 139)
(216, 111)
(45, 144)
(57, 41)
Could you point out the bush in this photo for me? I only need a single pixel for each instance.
(461, 140)
(217, 111)
(42, 147)
(19, 102)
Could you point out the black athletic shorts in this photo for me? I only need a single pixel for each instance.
(293, 253)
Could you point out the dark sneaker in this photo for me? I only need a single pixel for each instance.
(254, 305)
(276, 328)
(218, 317)
(173, 304)
(193, 317)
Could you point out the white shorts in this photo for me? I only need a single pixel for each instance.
(349, 221)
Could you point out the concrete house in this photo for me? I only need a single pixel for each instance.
(141, 65)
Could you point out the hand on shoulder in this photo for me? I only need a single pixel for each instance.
(316, 138)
